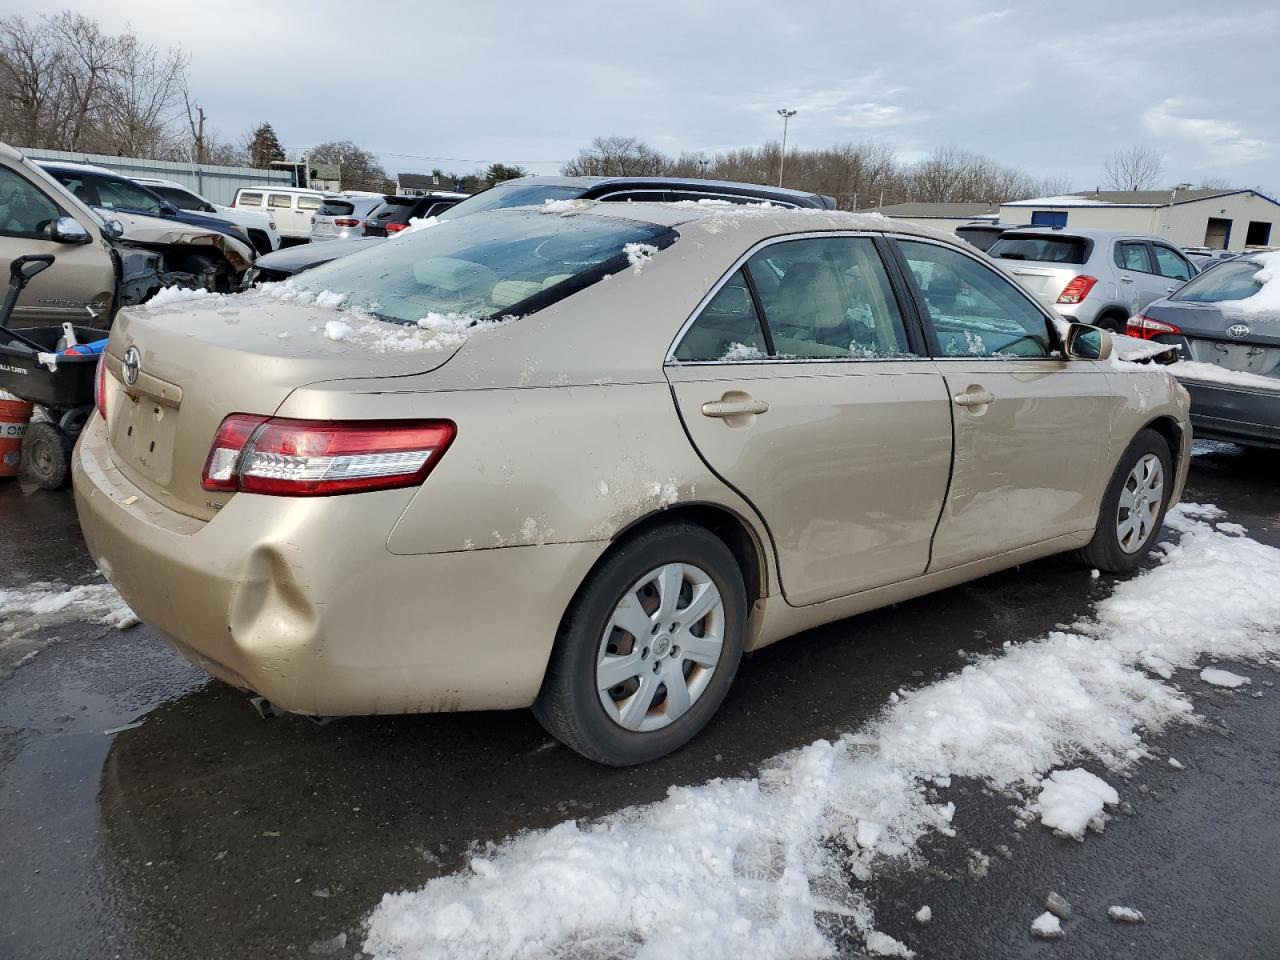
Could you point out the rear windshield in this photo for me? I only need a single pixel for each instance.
(336, 208)
(1233, 280)
(391, 212)
(511, 195)
(504, 263)
(1041, 249)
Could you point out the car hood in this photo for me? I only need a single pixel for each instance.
(307, 255)
(151, 231)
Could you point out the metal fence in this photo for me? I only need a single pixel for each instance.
(217, 183)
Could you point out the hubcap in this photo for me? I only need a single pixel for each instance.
(1141, 498)
(660, 647)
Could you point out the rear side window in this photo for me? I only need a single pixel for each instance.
(1041, 249)
(1171, 264)
(972, 310)
(281, 201)
(1230, 281)
(24, 210)
(309, 203)
(180, 198)
(728, 328)
(336, 208)
(249, 200)
(1133, 256)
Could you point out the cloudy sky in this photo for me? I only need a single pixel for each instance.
(1049, 87)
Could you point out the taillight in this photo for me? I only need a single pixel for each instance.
(396, 227)
(346, 222)
(1148, 329)
(323, 457)
(100, 385)
(1077, 289)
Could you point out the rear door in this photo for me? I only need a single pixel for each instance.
(805, 386)
(1139, 281)
(1173, 268)
(1031, 428)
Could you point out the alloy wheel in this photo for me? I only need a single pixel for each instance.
(1141, 498)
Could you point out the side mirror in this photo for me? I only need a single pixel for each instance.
(167, 209)
(69, 230)
(113, 229)
(1088, 343)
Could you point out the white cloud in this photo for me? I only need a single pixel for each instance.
(1224, 140)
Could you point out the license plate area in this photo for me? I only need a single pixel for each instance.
(1244, 357)
(142, 434)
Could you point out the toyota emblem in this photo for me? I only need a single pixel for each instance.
(1238, 331)
(131, 365)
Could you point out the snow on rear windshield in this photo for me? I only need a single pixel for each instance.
(1040, 249)
(500, 263)
(1242, 286)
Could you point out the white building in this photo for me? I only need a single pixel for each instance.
(944, 216)
(1218, 219)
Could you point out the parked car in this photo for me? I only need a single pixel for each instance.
(786, 428)
(395, 212)
(535, 191)
(198, 250)
(93, 272)
(983, 233)
(259, 226)
(283, 264)
(291, 208)
(1100, 277)
(1228, 330)
(342, 216)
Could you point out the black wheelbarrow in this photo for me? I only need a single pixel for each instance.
(53, 368)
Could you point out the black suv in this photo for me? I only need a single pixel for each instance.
(395, 212)
(532, 191)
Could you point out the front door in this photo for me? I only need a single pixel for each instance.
(1031, 427)
(802, 387)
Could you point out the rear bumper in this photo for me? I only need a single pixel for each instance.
(1235, 414)
(300, 600)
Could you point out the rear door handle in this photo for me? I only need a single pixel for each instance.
(1126, 279)
(974, 398)
(722, 409)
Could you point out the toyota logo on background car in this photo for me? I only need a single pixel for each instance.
(131, 365)
(1238, 331)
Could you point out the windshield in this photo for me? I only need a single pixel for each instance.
(514, 194)
(1233, 280)
(1041, 249)
(505, 262)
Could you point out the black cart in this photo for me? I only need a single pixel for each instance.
(60, 385)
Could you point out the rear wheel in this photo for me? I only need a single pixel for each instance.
(1133, 507)
(649, 648)
(46, 456)
(1112, 322)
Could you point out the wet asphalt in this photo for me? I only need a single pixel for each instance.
(205, 831)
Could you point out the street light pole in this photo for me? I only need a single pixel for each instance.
(786, 115)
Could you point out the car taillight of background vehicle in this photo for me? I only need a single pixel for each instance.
(100, 386)
(304, 458)
(396, 227)
(1148, 329)
(347, 222)
(1077, 289)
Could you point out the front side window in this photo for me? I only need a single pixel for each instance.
(1133, 256)
(1170, 264)
(508, 262)
(828, 298)
(24, 210)
(183, 200)
(973, 311)
(122, 195)
(728, 328)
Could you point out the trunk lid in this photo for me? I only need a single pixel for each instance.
(199, 359)
(1044, 282)
(1251, 346)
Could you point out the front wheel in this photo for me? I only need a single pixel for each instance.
(1133, 507)
(649, 648)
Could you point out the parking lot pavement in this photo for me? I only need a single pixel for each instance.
(149, 812)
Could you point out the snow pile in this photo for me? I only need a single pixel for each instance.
(436, 331)
(638, 254)
(416, 224)
(1222, 678)
(566, 207)
(760, 867)
(1072, 801)
(739, 352)
(168, 295)
(1212, 373)
(28, 613)
(1267, 299)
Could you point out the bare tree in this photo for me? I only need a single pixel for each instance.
(360, 168)
(31, 69)
(1133, 168)
(618, 157)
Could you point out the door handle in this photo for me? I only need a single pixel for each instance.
(974, 398)
(1126, 279)
(723, 409)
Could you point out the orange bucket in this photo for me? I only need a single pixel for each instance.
(14, 414)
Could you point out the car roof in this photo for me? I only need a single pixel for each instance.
(605, 184)
(1085, 233)
(157, 182)
(273, 188)
(80, 167)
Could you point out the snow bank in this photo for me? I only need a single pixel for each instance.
(28, 613)
(759, 867)
(1073, 800)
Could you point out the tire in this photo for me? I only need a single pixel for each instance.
(46, 456)
(1109, 550)
(572, 707)
(1111, 322)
